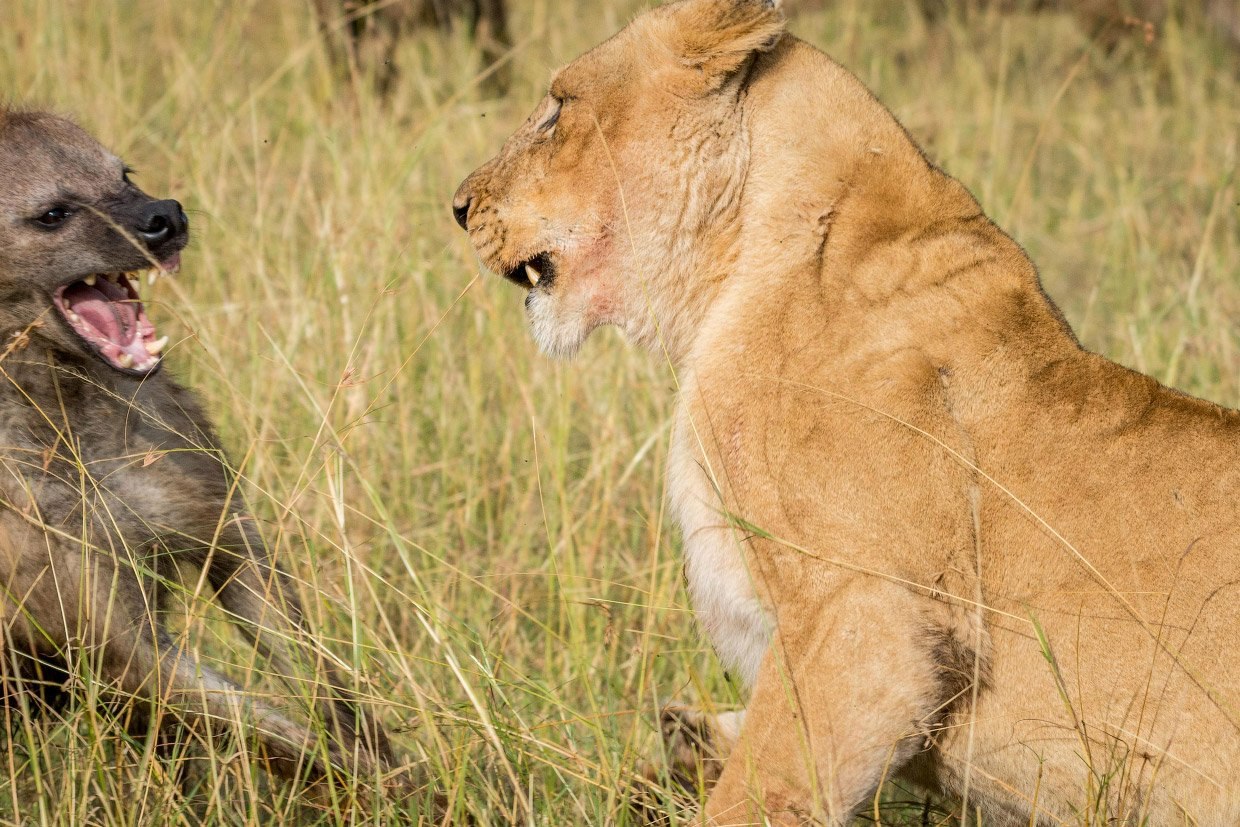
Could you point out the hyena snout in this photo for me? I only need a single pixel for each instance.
(162, 222)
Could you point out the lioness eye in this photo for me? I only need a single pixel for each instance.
(551, 118)
(53, 217)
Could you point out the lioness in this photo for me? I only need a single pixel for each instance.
(931, 534)
(111, 476)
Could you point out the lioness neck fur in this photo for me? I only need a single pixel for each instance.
(111, 476)
(934, 536)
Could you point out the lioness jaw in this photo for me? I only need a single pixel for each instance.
(933, 535)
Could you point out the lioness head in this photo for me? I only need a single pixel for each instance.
(618, 198)
(75, 234)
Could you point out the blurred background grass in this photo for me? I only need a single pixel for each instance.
(486, 527)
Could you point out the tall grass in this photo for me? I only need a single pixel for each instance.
(484, 529)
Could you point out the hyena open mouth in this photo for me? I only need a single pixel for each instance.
(105, 310)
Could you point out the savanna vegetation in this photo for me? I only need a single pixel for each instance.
(485, 529)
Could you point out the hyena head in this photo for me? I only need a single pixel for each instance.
(75, 234)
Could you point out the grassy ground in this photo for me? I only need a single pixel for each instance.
(487, 528)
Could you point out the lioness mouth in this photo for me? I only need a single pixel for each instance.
(531, 273)
(105, 309)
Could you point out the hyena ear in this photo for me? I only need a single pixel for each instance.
(714, 38)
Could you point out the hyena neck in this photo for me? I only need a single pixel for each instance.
(57, 389)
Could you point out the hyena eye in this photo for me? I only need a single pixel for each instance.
(54, 217)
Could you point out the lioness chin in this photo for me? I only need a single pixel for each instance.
(933, 536)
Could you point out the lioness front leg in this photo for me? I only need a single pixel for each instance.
(847, 694)
(697, 743)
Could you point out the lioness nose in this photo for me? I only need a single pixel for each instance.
(162, 221)
(460, 210)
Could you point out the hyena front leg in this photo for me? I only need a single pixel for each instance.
(263, 601)
(88, 609)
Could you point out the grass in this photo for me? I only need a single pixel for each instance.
(487, 528)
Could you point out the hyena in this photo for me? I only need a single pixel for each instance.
(111, 476)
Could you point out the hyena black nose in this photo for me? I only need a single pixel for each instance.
(460, 210)
(162, 221)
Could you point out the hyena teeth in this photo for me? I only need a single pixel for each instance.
(126, 361)
(157, 347)
(112, 277)
(152, 275)
(91, 279)
(532, 274)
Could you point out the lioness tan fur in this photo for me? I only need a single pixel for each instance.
(933, 536)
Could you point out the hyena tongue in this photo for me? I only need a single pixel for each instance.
(105, 312)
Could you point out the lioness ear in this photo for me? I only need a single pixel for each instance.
(715, 37)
